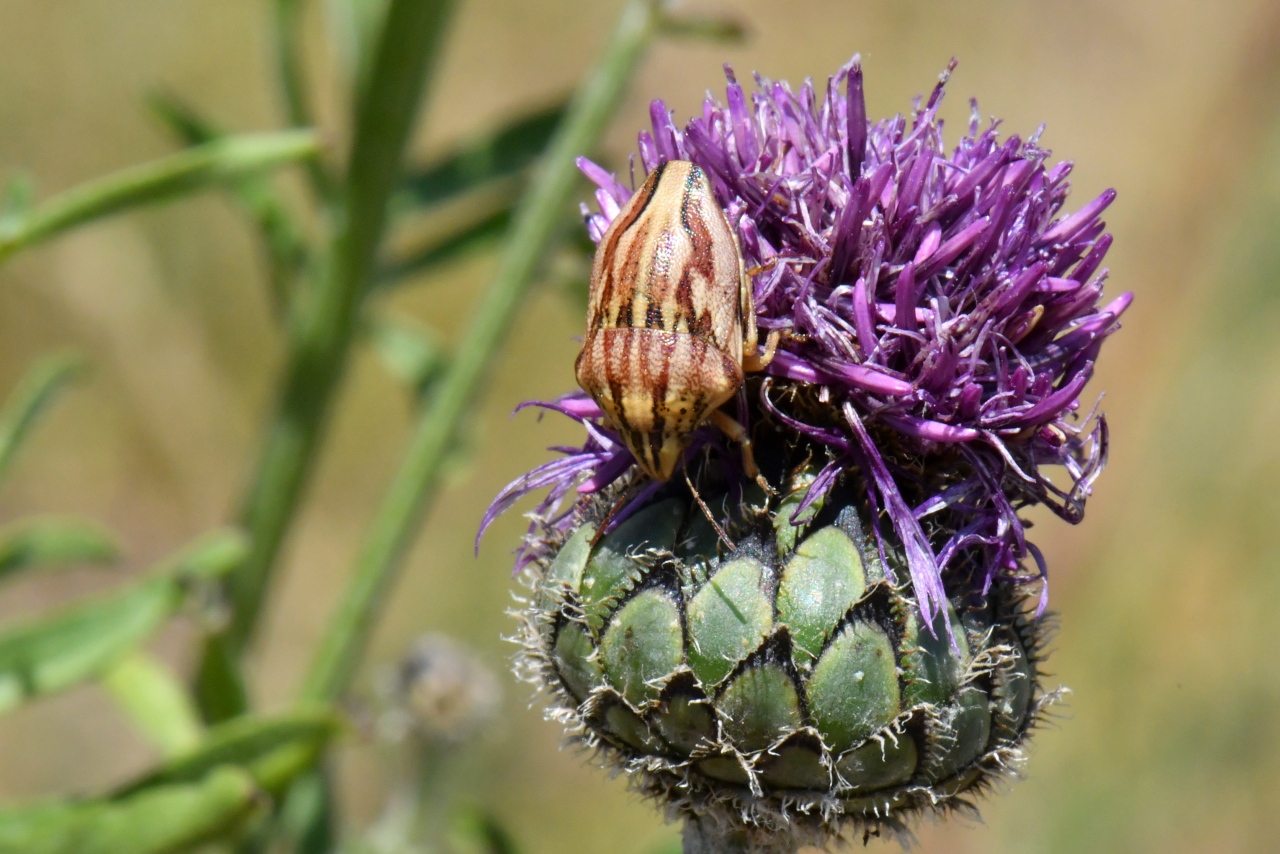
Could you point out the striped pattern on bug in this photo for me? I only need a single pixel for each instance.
(670, 320)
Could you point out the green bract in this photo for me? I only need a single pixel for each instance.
(788, 676)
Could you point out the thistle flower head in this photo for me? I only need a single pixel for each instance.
(941, 313)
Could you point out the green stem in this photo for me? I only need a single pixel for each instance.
(324, 326)
(216, 162)
(293, 82)
(533, 227)
(705, 837)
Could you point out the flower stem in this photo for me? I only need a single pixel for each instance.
(708, 837)
(322, 327)
(704, 837)
(532, 231)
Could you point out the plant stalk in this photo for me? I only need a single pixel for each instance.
(532, 231)
(704, 836)
(323, 327)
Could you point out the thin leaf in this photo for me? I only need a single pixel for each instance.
(155, 701)
(210, 164)
(721, 29)
(211, 555)
(473, 237)
(291, 70)
(182, 120)
(49, 540)
(53, 653)
(306, 821)
(285, 245)
(33, 394)
(274, 750)
(220, 691)
(156, 821)
(410, 351)
(502, 153)
(58, 652)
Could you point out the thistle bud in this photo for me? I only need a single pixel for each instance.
(787, 684)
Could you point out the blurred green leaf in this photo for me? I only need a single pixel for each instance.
(157, 821)
(291, 71)
(210, 164)
(155, 701)
(306, 821)
(285, 245)
(569, 270)
(475, 831)
(211, 555)
(472, 237)
(672, 847)
(53, 653)
(410, 351)
(37, 388)
(274, 750)
(45, 540)
(182, 120)
(18, 197)
(502, 153)
(723, 29)
(220, 690)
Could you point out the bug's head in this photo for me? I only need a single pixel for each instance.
(657, 441)
(654, 389)
(657, 452)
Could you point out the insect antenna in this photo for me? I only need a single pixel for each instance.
(627, 495)
(706, 511)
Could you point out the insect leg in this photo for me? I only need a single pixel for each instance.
(738, 433)
(752, 362)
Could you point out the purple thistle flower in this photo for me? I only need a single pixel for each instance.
(940, 305)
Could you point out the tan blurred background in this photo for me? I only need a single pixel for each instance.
(1169, 592)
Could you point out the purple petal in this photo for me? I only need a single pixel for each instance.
(1073, 224)
(817, 491)
(925, 575)
(932, 431)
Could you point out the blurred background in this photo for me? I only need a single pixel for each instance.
(1168, 592)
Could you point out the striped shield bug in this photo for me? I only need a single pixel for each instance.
(671, 323)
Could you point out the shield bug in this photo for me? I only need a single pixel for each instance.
(671, 322)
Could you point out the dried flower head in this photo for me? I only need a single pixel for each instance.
(440, 691)
(941, 316)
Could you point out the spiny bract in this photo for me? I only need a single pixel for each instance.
(788, 685)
